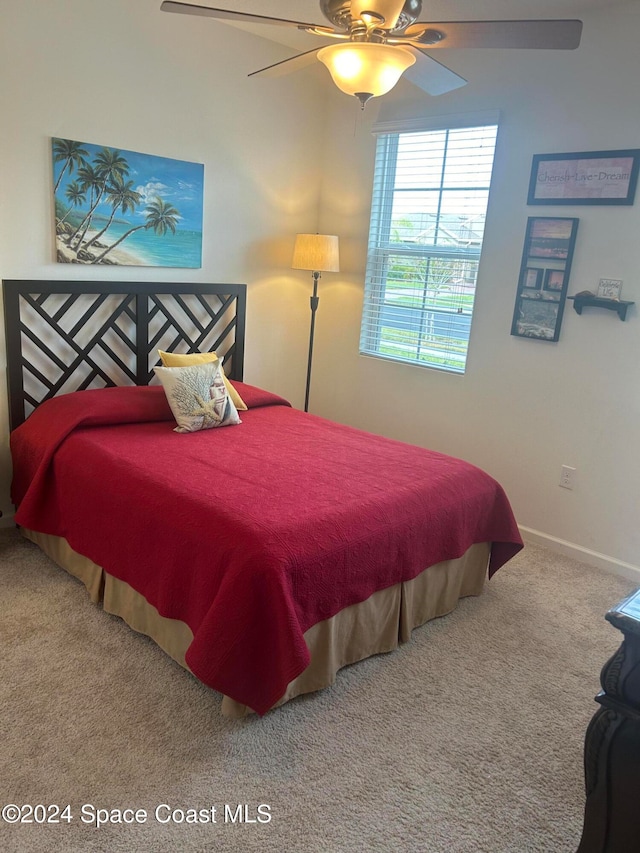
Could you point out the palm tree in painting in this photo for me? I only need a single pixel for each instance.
(106, 165)
(109, 163)
(90, 181)
(71, 152)
(160, 216)
(120, 196)
(76, 194)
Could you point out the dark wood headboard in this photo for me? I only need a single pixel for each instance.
(71, 335)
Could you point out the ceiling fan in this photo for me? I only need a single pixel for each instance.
(379, 40)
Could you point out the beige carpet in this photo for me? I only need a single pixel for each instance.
(468, 739)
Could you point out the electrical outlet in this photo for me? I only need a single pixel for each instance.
(567, 477)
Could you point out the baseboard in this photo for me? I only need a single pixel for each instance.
(584, 555)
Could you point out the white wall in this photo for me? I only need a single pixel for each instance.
(123, 74)
(524, 407)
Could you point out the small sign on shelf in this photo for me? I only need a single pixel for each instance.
(609, 288)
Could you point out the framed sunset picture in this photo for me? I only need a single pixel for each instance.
(551, 238)
(124, 208)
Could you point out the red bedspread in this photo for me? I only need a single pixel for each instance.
(250, 534)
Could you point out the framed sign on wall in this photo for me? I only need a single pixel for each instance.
(588, 177)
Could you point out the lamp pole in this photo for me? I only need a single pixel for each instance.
(314, 300)
(317, 253)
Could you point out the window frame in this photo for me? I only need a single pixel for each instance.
(381, 247)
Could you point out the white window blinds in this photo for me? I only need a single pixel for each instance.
(430, 195)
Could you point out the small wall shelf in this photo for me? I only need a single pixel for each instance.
(618, 305)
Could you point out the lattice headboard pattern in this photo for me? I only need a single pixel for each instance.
(68, 336)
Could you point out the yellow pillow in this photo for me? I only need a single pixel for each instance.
(178, 359)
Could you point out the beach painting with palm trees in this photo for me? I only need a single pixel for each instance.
(125, 208)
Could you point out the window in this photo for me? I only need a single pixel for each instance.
(430, 195)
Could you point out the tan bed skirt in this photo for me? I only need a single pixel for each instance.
(376, 625)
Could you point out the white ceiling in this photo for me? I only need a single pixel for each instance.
(432, 10)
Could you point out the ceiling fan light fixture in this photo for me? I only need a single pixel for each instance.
(364, 69)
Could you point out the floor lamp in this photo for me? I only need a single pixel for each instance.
(318, 253)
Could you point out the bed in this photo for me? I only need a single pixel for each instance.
(263, 556)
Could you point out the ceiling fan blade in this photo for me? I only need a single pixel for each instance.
(540, 35)
(286, 66)
(226, 14)
(432, 76)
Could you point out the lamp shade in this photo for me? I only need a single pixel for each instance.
(364, 69)
(316, 252)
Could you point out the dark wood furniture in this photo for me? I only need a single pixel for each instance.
(612, 745)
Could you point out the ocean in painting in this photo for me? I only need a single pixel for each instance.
(182, 249)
